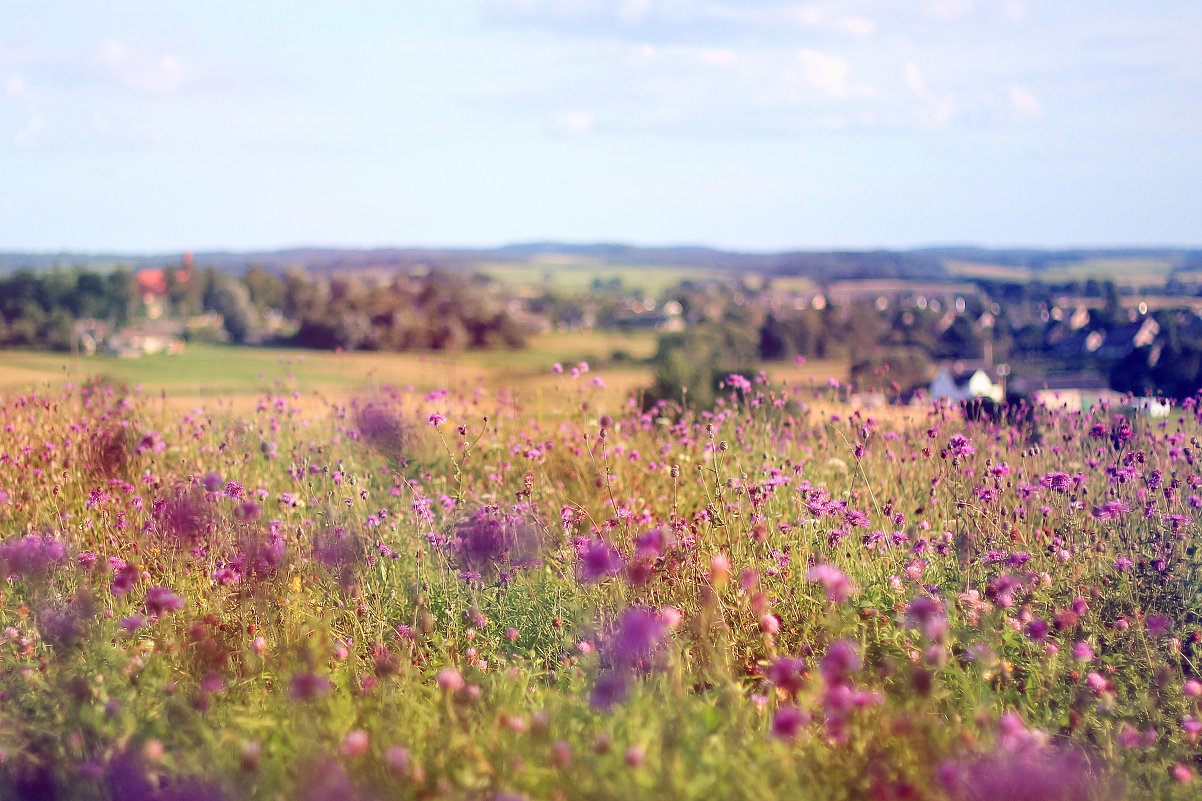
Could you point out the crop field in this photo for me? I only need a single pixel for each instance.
(347, 588)
(237, 375)
(1135, 273)
(577, 274)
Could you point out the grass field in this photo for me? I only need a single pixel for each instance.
(579, 274)
(1134, 273)
(237, 376)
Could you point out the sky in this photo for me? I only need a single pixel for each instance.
(148, 126)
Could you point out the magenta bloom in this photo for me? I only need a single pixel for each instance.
(382, 426)
(31, 556)
(1037, 629)
(184, 518)
(788, 722)
(925, 614)
(341, 551)
(1031, 773)
(837, 585)
(653, 543)
(307, 686)
(636, 639)
(785, 673)
(1111, 510)
(611, 688)
(124, 578)
(840, 660)
(160, 600)
(960, 446)
(598, 560)
(492, 540)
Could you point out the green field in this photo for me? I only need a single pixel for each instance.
(1134, 272)
(238, 376)
(568, 274)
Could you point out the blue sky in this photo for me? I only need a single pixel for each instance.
(151, 126)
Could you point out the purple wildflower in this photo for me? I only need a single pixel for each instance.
(160, 600)
(63, 623)
(1157, 625)
(491, 540)
(788, 722)
(840, 660)
(598, 560)
(341, 551)
(184, 518)
(785, 673)
(306, 686)
(837, 585)
(382, 426)
(926, 614)
(1032, 773)
(31, 556)
(636, 638)
(960, 446)
(611, 688)
(125, 576)
(1111, 510)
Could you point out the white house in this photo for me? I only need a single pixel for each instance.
(966, 386)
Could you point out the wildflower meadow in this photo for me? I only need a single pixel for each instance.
(463, 595)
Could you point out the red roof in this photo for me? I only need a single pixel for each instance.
(152, 282)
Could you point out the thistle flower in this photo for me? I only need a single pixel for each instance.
(382, 426)
(837, 585)
(341, 551)
(785, 674)
(788, 722)
(491, 540)
(63, 623)
(1032, 773)
(160, 601)
(611, 688)
(637, 637)
(184, 518)
(598, 560)
(31, 557)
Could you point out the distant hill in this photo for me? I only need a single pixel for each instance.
(1016, 264)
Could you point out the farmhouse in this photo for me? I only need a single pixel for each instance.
(1070, 392)
(967, 380)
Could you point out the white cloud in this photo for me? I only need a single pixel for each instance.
(575, 123)
(158, 73)
(914, 79)
(1023, 103)
(15, 55)
(1015, 11)
(824, 71)
(15, 84)
(633, 10)
(949, 9)
(937, 113)
(715, 56)
(808, 15)
(857, 26)
(31, 130)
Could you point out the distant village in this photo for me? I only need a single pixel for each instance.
(905, 340)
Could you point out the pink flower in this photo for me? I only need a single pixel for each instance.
(450, 679)
(837, 585)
